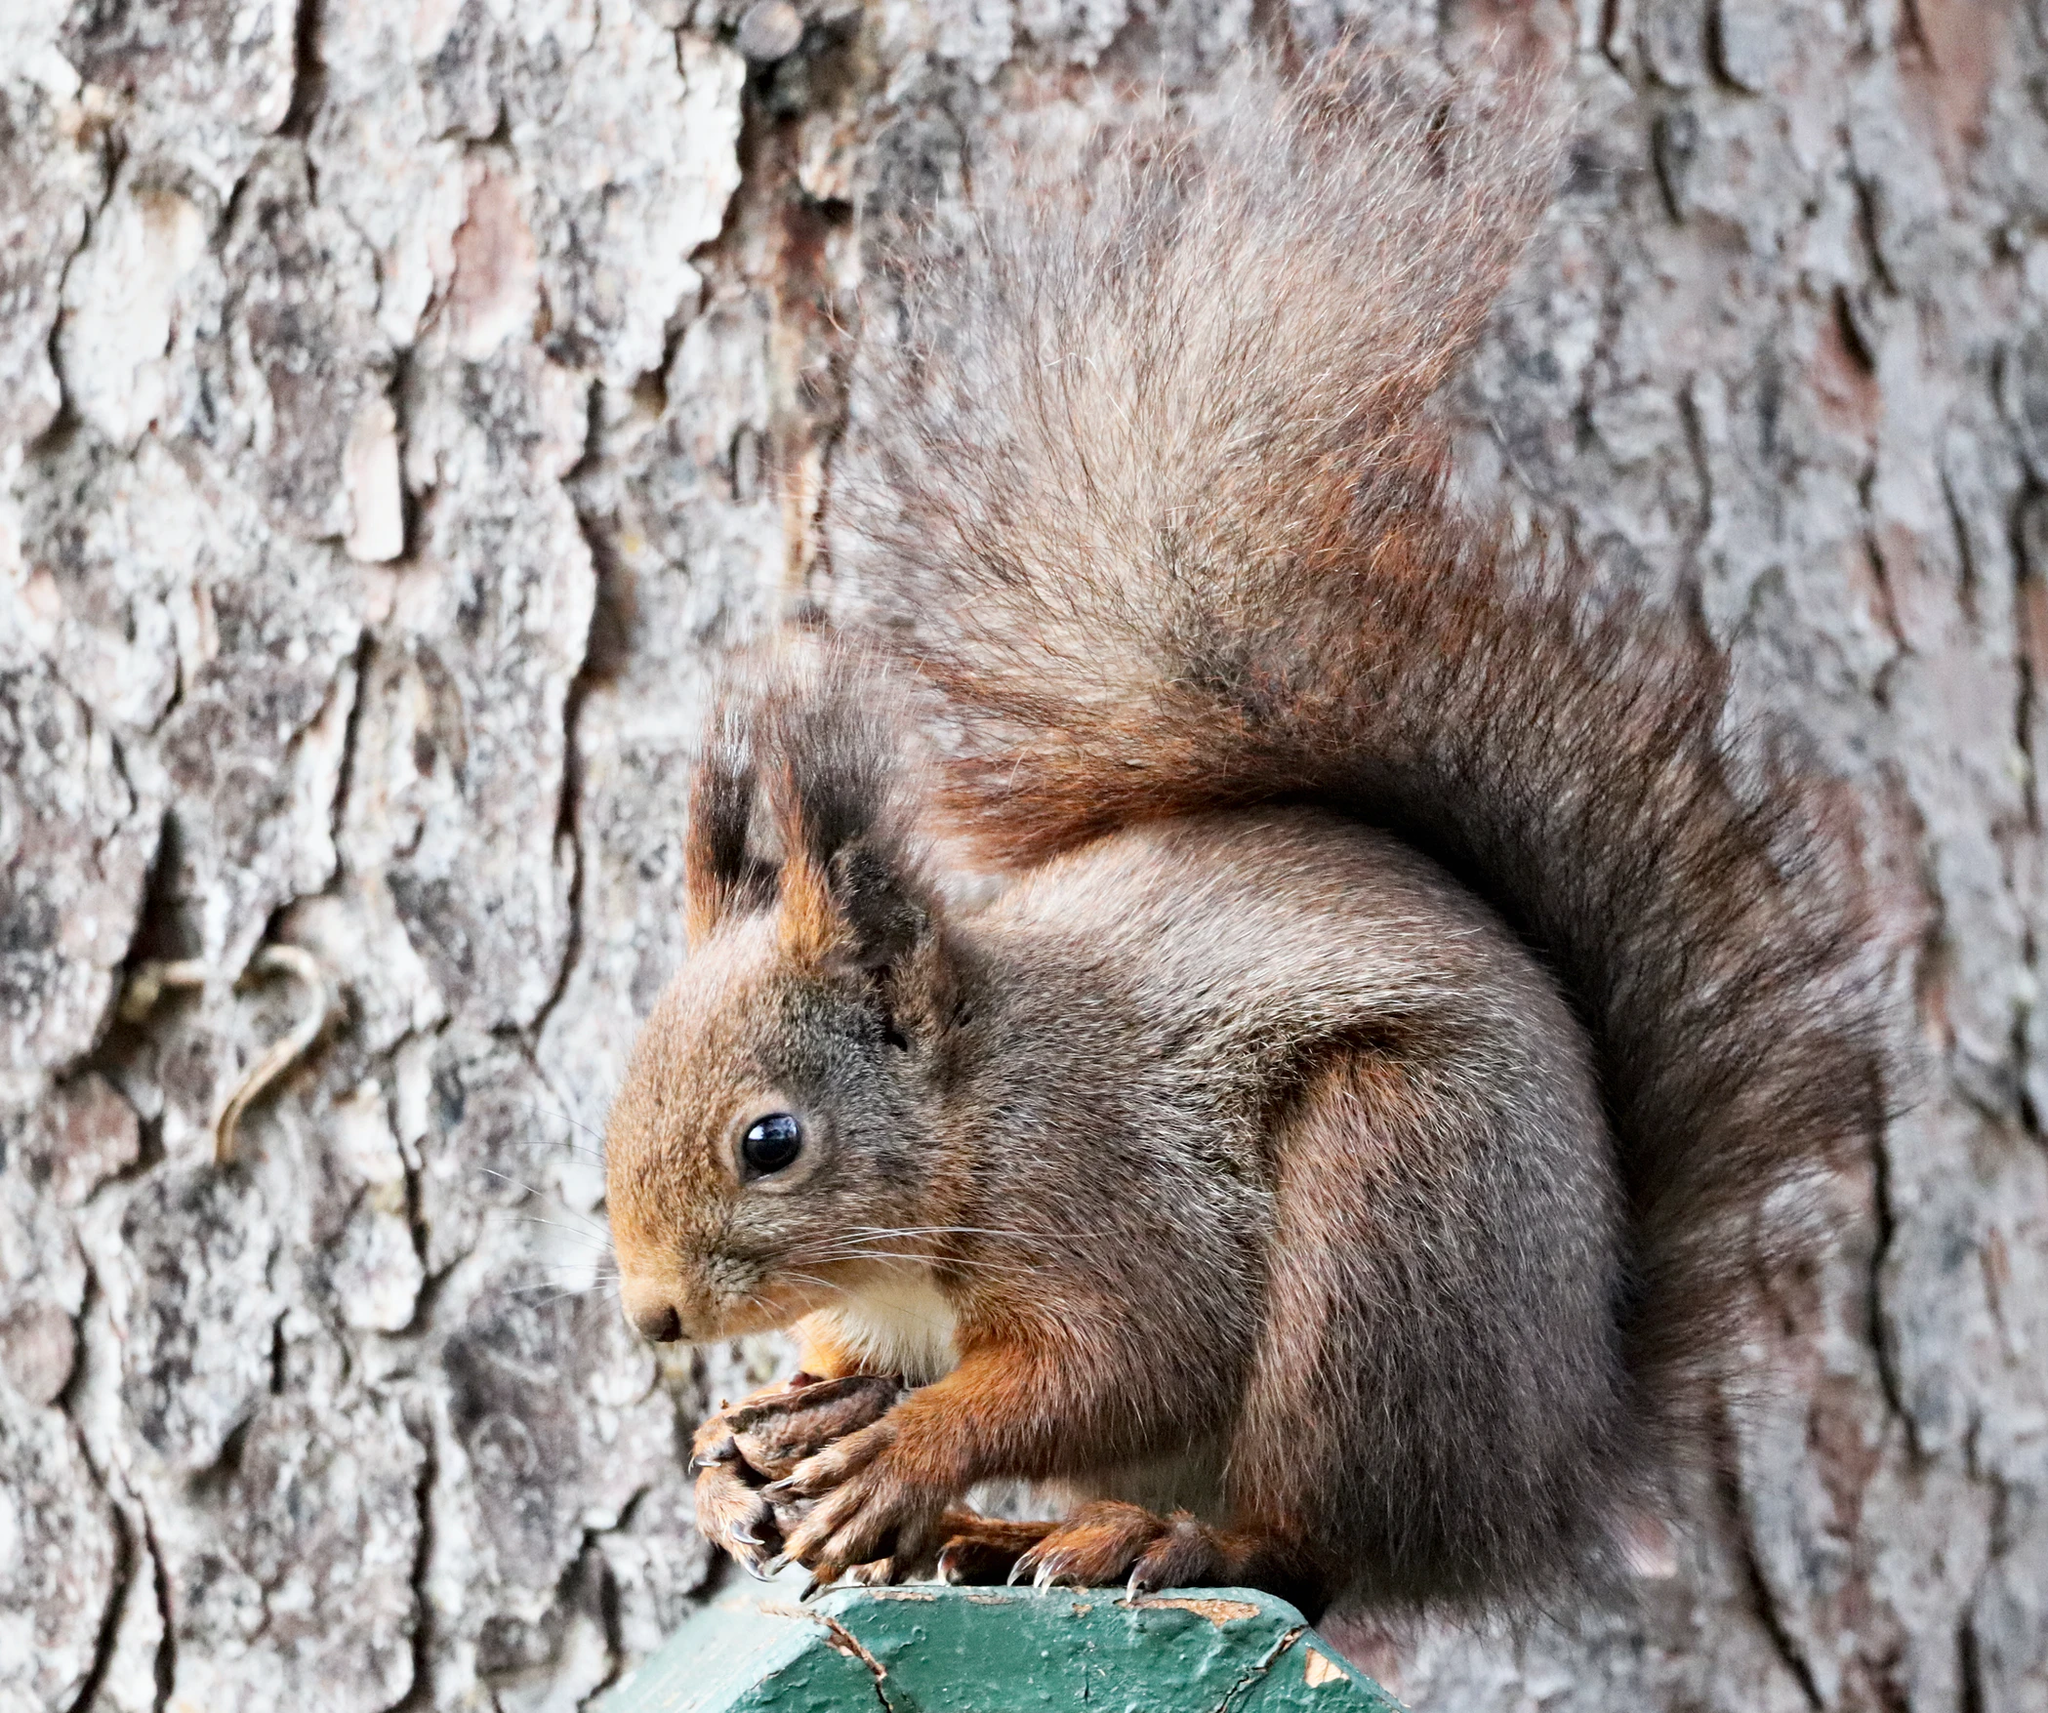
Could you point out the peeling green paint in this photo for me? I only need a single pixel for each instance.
(989, 1650)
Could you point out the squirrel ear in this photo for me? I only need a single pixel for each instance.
(721, 875)
(813, 737)
(860, 909)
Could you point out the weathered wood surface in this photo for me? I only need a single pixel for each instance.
(400, 398)
(995, 1650)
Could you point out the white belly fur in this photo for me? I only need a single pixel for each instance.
(899, 1324)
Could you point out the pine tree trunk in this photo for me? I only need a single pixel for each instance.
(402, 400)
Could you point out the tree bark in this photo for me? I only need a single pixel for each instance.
(401, 401)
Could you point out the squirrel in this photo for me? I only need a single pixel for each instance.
(1337, 1148)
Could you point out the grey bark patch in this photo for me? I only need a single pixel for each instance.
(58, 1553)
(291, 1580)
(44, 200)
(77, 842)
(197, 1347)
(78, 1136)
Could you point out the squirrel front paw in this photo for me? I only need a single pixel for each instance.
(874, 1509)
(766, 1436)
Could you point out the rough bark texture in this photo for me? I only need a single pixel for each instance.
(400, 400)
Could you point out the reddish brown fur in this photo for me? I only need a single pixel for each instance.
(1336, 1155)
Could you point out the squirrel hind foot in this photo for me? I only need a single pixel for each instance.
(982, 1552)
(1108, 1544)
(967, 1550)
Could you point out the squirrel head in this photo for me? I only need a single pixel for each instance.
(768, 1129)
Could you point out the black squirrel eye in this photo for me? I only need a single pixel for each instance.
(772, 1142)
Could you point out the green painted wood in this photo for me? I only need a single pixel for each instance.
(988, 1650)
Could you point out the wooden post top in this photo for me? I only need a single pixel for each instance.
(934, 1649)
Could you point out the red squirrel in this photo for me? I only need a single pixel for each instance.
(1336, 1148)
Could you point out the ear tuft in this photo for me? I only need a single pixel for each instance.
(885, 917)
(817, 738)
(722, 875)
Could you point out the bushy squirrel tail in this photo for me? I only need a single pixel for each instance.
(1147, 487)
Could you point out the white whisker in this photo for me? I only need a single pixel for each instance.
(602, 1244)
(546, 1195)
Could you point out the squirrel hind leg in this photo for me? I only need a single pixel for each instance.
(1437, 1404)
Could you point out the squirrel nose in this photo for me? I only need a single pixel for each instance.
(658, 1321)
(649, 1299)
